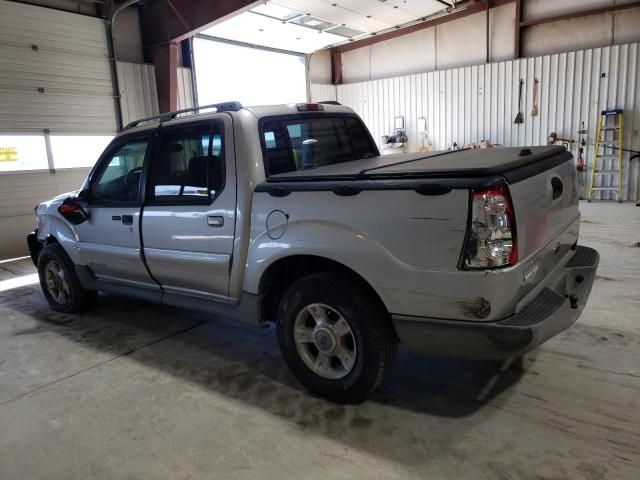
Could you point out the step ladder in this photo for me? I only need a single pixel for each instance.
(607, 148)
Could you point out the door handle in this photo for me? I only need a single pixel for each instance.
(127, 219)
(215, 221)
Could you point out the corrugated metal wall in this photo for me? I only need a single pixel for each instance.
(469, 104)
(185, 88)
(54, 72)
(138, 92)
(320, 92)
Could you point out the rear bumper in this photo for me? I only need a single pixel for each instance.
(555, 308)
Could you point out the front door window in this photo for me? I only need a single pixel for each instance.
(119, 179)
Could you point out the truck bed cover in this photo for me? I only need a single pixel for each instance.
(513, 164)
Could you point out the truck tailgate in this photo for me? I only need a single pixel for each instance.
(547, 215)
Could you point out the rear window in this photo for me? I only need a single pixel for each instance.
(302, 144)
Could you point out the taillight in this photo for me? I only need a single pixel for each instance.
(491, 239)
(309, 107)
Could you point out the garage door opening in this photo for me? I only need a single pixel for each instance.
(252, 75)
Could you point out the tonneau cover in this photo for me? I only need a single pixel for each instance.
(457, 163)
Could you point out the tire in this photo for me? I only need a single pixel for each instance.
(70, 296)
(310, 318)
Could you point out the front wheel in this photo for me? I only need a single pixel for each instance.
(59, 282)
(336, 336)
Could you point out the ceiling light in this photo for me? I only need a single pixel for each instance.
(276, 11)
(345, 31)
(313, 22)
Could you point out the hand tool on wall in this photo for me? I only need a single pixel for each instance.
(580, 163)
(518, 118)
(534, 108)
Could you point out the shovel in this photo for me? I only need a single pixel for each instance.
(518, 118)
(534, 108)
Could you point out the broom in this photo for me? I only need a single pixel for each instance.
(518, 118)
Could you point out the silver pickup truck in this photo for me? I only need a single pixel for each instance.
(289, 214)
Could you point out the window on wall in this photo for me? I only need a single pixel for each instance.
(29, 152)
(23, 152)
(77, 151)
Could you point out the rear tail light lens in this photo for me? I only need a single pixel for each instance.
(491, 239)
(309, 107)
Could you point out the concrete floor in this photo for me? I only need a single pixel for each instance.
(137, 391)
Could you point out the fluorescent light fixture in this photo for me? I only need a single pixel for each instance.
(276, 11)
(313, 22)
(345, 31)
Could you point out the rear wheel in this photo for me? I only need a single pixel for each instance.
(59, 282)
(336, 336)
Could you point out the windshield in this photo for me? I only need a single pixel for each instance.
(306, 143)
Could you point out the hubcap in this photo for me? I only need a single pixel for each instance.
(56, 283)
(325, 341)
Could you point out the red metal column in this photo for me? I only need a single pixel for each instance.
(165, 61)
(336, 66)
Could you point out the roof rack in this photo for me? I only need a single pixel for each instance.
(163, 117)
(329, 102)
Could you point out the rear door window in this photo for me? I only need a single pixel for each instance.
(303, 144)
(189, 166)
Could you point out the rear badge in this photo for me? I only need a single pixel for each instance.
(530, 270)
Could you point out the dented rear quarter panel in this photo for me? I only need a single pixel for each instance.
(408, 246)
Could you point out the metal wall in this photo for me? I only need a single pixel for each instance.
(138, 92)
(469, 104)
(185, 88)
(320, 92)
(54, 72)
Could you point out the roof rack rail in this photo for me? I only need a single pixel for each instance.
(330, 102)
(163, 117)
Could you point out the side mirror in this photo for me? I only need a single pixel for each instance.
(71, 210)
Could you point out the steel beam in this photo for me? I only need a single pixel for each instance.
(336, 66)
(517, 49)
(165, 62)
(165, 23)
